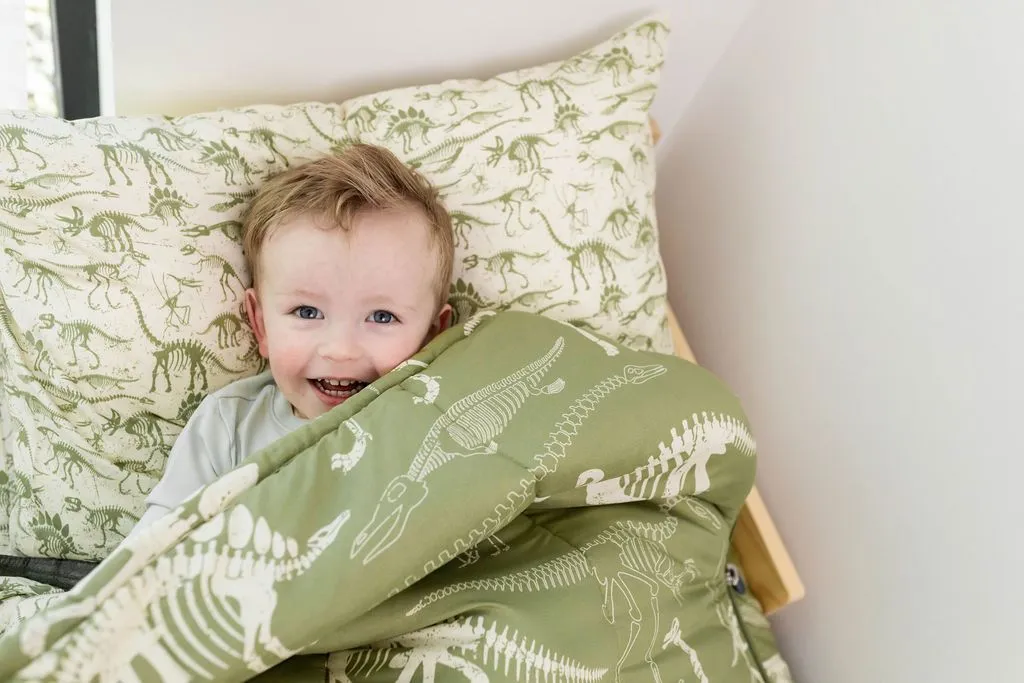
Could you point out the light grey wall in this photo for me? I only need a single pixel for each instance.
(180, 56)
(843, 217)
(13, 75)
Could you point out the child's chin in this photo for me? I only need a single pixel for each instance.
(331, 403)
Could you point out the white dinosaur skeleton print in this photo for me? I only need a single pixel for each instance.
(410, 361)
(608, 348)
(348, 460)
(664, 475)
(674, 637)
(740, 647)
(473, 646)
(227, 572)
(473, 555)
(475, 321)
(561, 571)
(433, 388)
(644, 564)
(471, 425)
(161, 534)
(504, 512)
(561, 438)
(777, 669)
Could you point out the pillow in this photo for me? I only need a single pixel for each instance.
(121, 276)
(121, 279)
(549, 175)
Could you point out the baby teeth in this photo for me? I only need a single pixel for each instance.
(339, 387)
(338, 382)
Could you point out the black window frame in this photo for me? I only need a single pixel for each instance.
(76, 58)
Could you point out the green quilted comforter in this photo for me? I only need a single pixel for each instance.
(522, 501)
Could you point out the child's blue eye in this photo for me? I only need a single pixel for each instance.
(308, 312)
(382, 317)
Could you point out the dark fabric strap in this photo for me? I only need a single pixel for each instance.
(57, 573)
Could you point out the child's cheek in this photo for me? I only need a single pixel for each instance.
(286, 343)
(398, 354)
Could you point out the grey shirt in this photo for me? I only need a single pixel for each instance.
(228, 426)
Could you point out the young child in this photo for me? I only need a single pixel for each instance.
(351, 258)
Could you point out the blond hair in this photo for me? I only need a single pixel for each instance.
(336, 188)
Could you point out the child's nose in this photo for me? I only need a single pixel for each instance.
(339, 346)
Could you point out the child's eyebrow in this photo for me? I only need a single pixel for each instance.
(300, 292)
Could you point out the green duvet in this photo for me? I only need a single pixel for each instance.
(522, 501)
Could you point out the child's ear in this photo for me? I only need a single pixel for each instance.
(444, 319)
(254, 312)
(441, 323)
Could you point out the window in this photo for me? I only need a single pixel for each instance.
(49, 49)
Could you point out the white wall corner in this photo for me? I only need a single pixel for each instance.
(105, 57)
(701, 34)
(13, 55)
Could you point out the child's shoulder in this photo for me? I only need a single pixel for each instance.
(247, 388)
(234, 400)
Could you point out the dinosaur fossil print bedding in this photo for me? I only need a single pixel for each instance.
(559, 509)
(120, 279)
(121, 272)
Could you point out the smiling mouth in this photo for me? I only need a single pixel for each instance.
(338, 388)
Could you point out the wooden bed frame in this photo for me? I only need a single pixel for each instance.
(766, 563)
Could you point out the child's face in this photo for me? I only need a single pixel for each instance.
(336, 310)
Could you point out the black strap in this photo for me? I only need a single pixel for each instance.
(57, 573)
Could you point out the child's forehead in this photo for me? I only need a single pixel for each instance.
(383, 250)
(403, 221)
